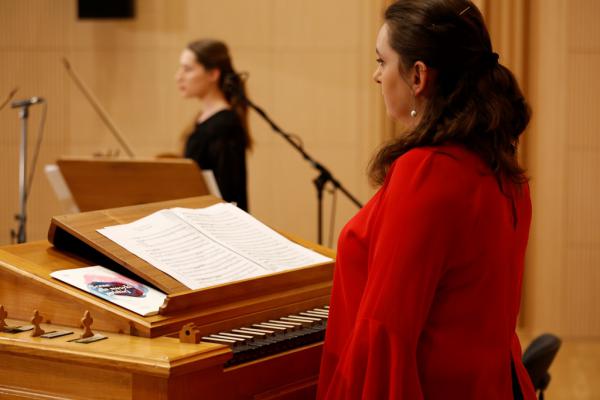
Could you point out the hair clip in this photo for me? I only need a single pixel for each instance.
(490, 59)
(465, 10)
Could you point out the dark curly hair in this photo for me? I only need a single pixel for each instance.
(476, 101)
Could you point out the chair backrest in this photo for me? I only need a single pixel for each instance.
(537, 359)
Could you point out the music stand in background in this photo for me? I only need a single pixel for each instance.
(60, 188)
(97, 184)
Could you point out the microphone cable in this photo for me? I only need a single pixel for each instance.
(333, 192)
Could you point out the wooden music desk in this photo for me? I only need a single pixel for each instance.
(142, 357)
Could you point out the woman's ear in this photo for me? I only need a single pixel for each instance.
(215, 74)
(421, 78)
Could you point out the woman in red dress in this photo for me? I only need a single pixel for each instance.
(428, 276)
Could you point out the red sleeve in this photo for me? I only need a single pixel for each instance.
(422, 216)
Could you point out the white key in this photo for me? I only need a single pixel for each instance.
(304, 318)
(250, 332)
(217, 340)
(226, 338)
(304, 322)
(306, 314)
(290, 325)
(269, 326)
(236, 336)
(318, 313)
(265, 331)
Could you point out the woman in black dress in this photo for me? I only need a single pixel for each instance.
(220, 137)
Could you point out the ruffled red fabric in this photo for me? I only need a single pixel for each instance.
(427, 285)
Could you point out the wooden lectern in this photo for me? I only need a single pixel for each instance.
(143, 357)
(97, 183)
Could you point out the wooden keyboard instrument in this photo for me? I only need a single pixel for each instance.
(259, 338)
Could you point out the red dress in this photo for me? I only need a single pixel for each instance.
(427, 285)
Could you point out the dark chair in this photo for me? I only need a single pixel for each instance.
(537, 359)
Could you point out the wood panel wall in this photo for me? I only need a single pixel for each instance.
(563, 157)
(310, 65)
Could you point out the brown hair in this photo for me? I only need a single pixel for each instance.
(476, 101)
(214, 54)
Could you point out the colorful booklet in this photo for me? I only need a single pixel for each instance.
(116, 288)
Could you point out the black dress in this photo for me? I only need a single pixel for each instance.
(219, 144)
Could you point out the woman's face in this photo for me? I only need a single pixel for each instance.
(193, 80)
(397, 94)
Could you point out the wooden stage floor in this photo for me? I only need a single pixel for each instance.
(575, 372)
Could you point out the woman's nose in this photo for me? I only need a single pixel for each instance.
(376, 76)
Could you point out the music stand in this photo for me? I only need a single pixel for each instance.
(97, 184)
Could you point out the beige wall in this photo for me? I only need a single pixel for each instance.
(310, 64)
(563, 281)
(553, 47)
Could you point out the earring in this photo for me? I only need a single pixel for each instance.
(413, 113)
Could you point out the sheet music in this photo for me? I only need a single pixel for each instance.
(245, 235)
(210, 246)
(176, 248)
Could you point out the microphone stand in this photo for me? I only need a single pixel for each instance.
(96, 105)
(9, 97)
(22, 216)
(324, 174)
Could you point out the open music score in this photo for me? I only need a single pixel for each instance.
(210, 246)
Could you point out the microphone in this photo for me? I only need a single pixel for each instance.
(27, 102)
